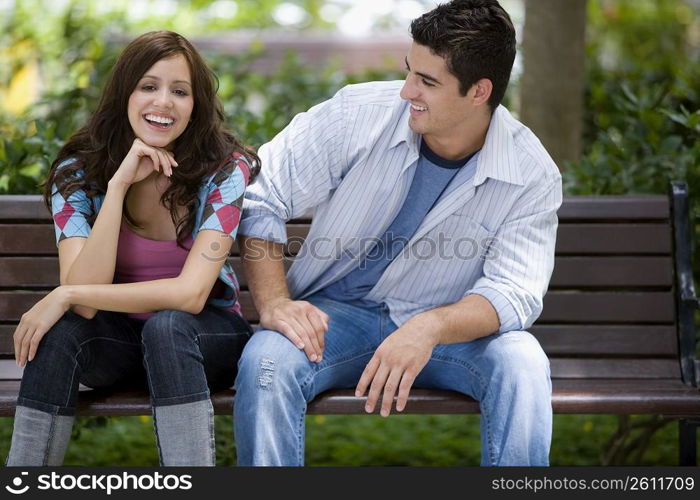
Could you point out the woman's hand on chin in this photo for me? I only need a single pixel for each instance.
(141, 161)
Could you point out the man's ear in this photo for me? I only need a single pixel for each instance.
(482, 91)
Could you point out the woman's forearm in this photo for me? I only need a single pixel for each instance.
(142, 297)
(97, 258)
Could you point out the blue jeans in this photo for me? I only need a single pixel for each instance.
(179, 357)
(507, 373)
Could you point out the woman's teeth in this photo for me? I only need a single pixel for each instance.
(160, 120)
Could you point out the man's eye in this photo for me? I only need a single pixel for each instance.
(428, 84)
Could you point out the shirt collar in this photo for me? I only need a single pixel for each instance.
(497, 158)
(403, 133)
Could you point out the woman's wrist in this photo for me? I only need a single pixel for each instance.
(118, 187)
(66, 295)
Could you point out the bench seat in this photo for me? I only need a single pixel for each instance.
(604, 396)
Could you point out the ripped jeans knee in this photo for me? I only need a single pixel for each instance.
(271, 362)
(267, 371)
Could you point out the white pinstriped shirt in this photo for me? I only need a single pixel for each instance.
(349, 162)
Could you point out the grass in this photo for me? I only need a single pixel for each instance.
(403, 440)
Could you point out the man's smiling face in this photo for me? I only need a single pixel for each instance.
(438, 110)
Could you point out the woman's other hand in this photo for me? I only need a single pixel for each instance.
(36, 322)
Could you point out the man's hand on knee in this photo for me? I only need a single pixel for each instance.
(395, 365)
(301, 322)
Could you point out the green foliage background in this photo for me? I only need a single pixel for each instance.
(642, 124)
(642, 128)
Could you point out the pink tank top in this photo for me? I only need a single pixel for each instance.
(143, 259)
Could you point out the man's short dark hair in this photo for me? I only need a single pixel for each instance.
(477, 40)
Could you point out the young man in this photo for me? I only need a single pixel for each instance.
(431, 247)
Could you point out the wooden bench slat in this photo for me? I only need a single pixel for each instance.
(23, 272)
(614, 208)
(605, 307)
(614, 239)
(619, 368)
(669, 397)
(23, 207)
(569, 272)
(607, 341)
(559, 307)
(9, 370)
(579, 207)
(27, 239)
(612, 272)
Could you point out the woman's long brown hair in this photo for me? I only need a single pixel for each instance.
(100, 146)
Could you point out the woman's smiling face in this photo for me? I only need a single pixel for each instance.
(160, 106)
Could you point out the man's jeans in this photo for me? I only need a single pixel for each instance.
(507, 373)
(178, 356)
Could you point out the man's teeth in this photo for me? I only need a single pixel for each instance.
(159, 119)
(418, 108)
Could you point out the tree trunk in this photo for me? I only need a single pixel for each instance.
(552, 83)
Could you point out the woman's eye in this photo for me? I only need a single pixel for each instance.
(148, 87)
(180, 92)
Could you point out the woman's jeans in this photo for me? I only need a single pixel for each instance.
(507, 373)
(180, 357)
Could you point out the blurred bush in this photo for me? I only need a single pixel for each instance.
(74, 57)
(642, 123)
(642, 108)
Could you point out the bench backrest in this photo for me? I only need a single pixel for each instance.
(610, 311)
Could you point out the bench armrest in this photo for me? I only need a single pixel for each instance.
(691, 301)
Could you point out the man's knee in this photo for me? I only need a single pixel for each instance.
(270, 359)
(518, 357)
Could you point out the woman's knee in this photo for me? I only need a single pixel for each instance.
(67, 334)
(167, 326)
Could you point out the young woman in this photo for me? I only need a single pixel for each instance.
(146, 202)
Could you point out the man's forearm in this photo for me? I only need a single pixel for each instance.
(471, 318)
(263, 265)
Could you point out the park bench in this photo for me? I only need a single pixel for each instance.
(617, 321)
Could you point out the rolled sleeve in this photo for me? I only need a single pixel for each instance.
(264, 225)
(222, 210)
(519, 265)
(71, 208)
(508, 317)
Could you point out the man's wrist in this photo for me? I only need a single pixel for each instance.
(268, 305)
(432, 324)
